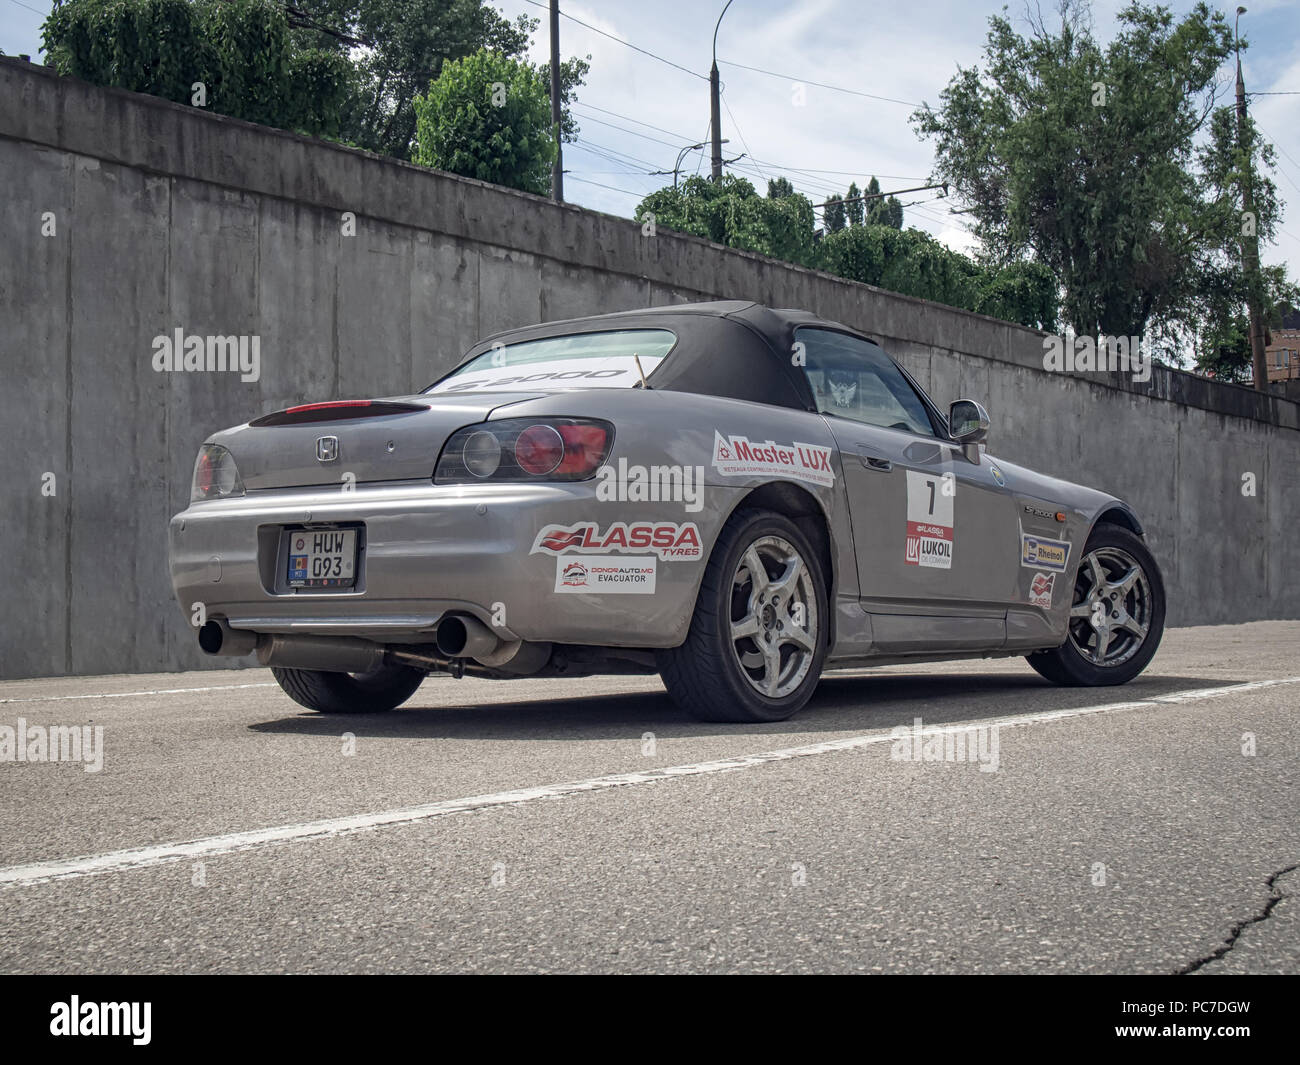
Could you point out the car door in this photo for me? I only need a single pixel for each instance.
(934, 533)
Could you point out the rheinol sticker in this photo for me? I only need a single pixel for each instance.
(929, 519)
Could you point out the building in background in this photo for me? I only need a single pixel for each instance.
(1282, 354)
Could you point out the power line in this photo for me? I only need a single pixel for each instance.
(1281, 169)
(810, 171)
(640, 166)
(629, 118)
(619, 40)
(626, 192)
(632, 132)
(723, 98)
(30, 8)
(820, 84)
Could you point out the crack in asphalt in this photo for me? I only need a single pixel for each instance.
(1274, 897)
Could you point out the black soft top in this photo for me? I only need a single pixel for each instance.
(732, 348)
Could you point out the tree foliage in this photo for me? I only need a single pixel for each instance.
(779, 187)
(915, 264)
(488, 117)
(731, 212)
(885, 211)
(239, 51)
(853, 205)
(348, 69)
(1081, 158)
(908, 261)
(398, 47)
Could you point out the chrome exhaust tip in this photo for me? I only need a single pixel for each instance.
(218, 638)
(460, 636)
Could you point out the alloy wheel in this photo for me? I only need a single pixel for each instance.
(773, 617)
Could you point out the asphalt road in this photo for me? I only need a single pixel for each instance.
(587, 825)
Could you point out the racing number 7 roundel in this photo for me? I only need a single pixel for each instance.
(929, 519)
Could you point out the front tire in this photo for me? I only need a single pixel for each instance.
(349, 693)
(1117, 614)
(758, 636)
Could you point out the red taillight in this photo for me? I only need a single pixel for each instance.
(203, 470)
(524, 450)
(539, 450)
(584, 448)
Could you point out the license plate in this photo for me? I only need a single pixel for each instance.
(322, 558)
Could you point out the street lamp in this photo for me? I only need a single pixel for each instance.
(680, 155)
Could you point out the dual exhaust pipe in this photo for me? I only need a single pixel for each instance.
(458, 636)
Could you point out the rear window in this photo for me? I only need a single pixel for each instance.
(583, 360)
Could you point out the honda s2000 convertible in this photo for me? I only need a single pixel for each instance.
(734, 497)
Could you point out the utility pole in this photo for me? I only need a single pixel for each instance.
(1250, 252)
(715, 94)
(557, 167)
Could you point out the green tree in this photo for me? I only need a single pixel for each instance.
(884, 211)
(853, 208)
(731, 212)
(488, 117)
(1077, 156)
(834, 217)
(915, 264)
(240, 51)
(397, 48)
(778, 188)
(1218, 316)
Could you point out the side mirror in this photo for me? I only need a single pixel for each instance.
(968, 424)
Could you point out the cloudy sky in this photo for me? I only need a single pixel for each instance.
(875, 62)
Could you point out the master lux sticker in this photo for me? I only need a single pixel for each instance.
(738, 456)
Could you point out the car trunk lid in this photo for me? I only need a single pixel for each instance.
(361, 441)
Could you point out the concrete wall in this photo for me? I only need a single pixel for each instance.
(167, 217)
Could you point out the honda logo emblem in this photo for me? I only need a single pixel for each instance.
(327, 448)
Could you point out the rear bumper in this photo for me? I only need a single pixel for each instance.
(428, 551)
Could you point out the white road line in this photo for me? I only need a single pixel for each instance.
(163, 853)
(123, 695)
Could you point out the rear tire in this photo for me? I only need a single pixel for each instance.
(1117, 614)
(756, 645)
(349, 693)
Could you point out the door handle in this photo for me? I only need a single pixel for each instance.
(872, 461)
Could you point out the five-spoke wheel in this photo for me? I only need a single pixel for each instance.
(1117, 614)
(758, 636)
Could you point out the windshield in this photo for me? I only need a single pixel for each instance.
(583, 360)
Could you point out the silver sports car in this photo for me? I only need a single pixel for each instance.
(735, 497)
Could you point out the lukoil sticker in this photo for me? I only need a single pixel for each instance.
(738, 456)
(1037, 552)
(929, 519)
(606, 574)
(666, 539)
(1040, 590)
